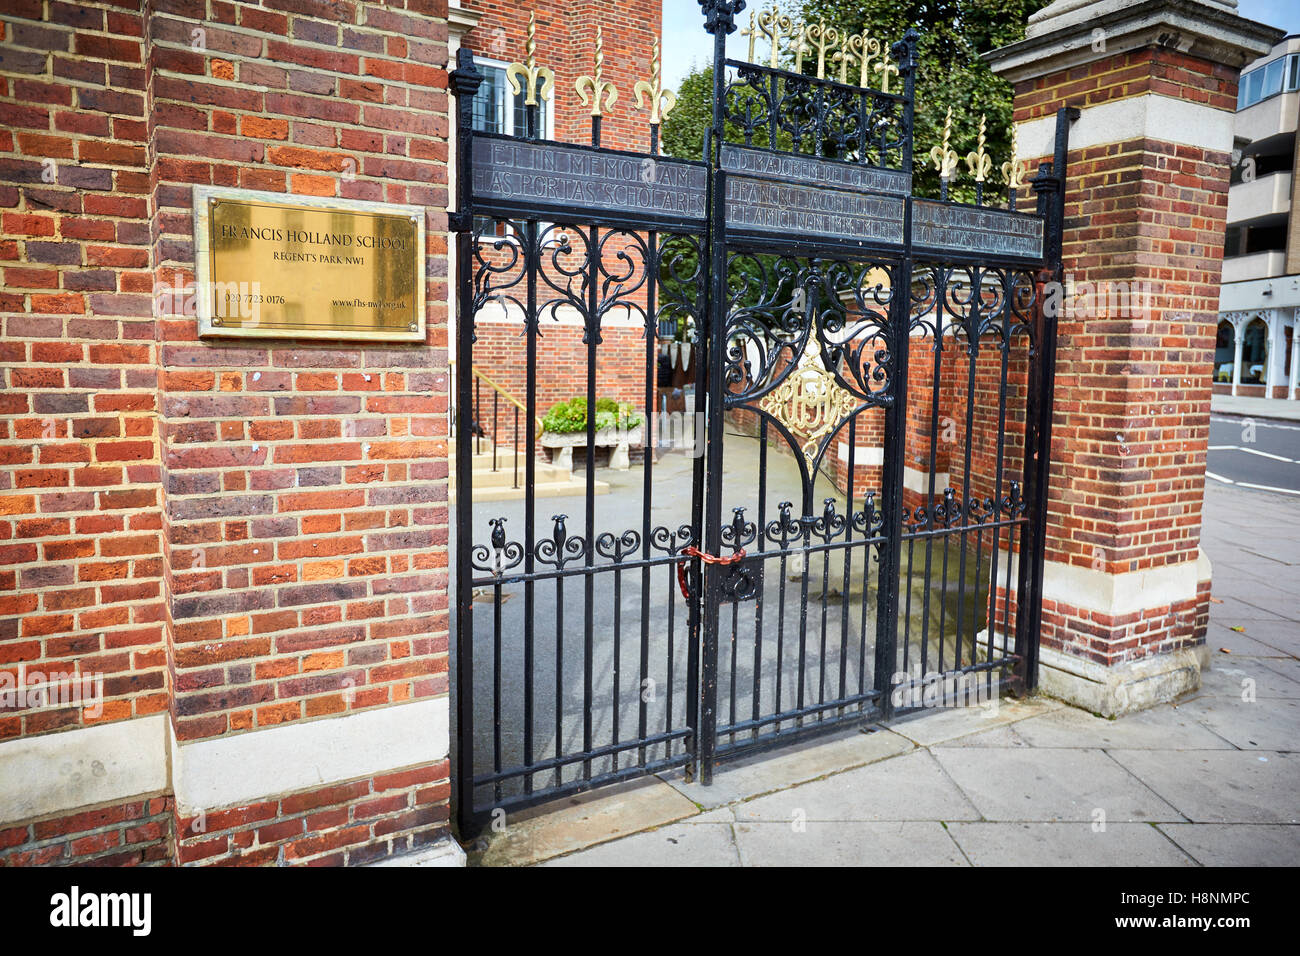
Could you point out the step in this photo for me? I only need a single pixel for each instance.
(485, 478)
(573, 488)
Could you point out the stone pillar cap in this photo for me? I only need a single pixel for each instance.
(1069, 33)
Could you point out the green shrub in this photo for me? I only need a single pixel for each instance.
(568, 417)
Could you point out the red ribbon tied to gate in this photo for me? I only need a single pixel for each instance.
(690, 551)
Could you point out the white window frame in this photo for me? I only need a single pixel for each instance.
(548, 105)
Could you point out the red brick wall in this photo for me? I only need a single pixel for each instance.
(343, 824)
(566, 42)
(1132, 392)
(135, 833)
(246, 532)
(80, 549)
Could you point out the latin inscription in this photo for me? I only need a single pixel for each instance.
(967, 229)
(816, 172)
(586, 179)
(796, 210)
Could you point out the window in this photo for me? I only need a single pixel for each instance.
(1273, 77)
(1232, 242)
(497, 110)
(1280, 76)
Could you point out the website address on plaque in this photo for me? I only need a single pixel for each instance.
(370, 303)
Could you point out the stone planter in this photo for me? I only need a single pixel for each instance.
(562, 445)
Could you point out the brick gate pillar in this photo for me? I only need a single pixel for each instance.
(1126, 587)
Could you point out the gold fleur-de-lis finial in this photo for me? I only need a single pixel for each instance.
(865, 50)
(822, 39)
(850, 52)
(1015, 171)
(525, 75)
(774, 25)
(945, 157)
(597, 88)
(752, 33)
(885, 67)
(661, 100)
(979, 162)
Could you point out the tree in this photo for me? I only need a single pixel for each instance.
(953, 36)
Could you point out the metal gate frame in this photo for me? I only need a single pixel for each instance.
(707, 576)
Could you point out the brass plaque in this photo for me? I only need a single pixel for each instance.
(295, 267)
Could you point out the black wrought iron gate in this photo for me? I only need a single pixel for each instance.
(848, 522)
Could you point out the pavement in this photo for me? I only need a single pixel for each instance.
(1210, 779)
(1279, 408)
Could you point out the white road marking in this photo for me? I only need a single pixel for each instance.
(1284, 491)
(1264, 454)
(1226, 481)
(1251, 451)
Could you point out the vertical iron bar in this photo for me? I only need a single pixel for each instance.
(532, 262)
(896, 414)
(465, 82)
(761, 547)
(589, 582)
(1050, 188)
(720, 20)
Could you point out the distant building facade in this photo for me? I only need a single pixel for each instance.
(1257, 351)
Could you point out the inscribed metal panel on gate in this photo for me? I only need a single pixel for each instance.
(794, 209)
(521, 173)
(792, 167)
(937, 225)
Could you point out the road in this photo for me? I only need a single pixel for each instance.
(1254, 453)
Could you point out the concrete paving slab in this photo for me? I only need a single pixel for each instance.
(997, 737)
(1281, 638)
(1066, 844)
(1239, 676)
(1288, 667)
(1237, 844)
(1238, 611)
(585, 820)
(909, 787)
(847, 844)
(775, 770)
(1226, 644)
(1221, 786)
(679, 844)
(1267, 723)
(1161, 728)
(946, 724)
(1029, 784)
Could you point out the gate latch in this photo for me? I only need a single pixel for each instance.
(690, 551)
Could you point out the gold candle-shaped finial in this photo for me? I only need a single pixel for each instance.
(1014, 171)
(979, 162)
(945, 157)
(774, 25)
(752, 33)
(661, 100)
(823, 39)
(800, 45)
(525, 75)
(595, 86)
(885, 67)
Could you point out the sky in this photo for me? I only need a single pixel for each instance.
(685, 43)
